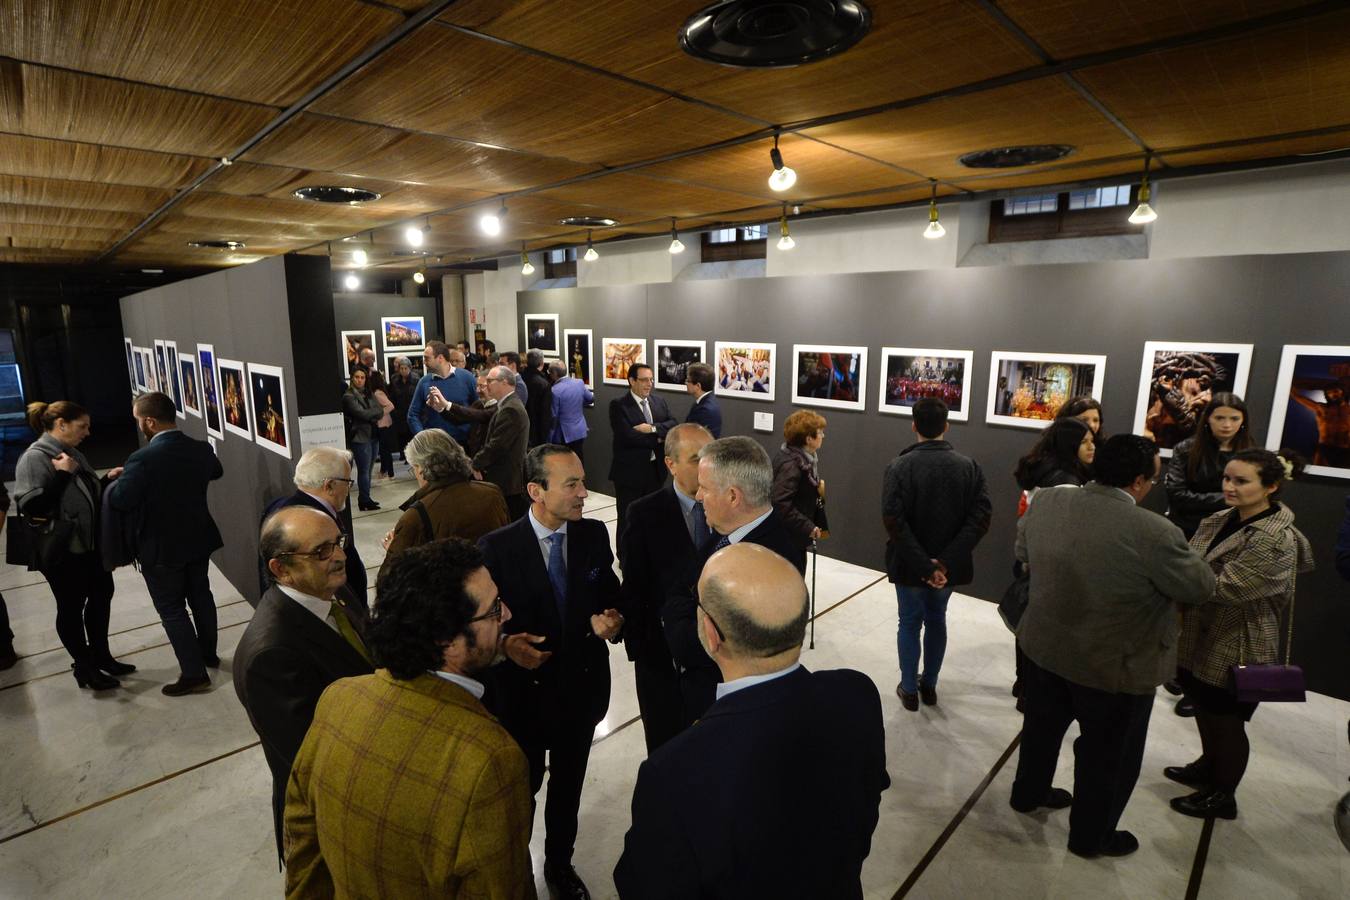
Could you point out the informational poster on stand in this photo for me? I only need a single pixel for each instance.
(325, 430)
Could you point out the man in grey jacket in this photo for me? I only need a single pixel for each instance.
(1100, 634)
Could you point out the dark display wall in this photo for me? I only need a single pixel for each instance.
(1108, 308)
(357, 312)
(276, 312)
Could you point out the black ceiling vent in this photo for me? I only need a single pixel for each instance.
(774, 33)
(218, 245)
(328, 194)
(588, 222)
(1015, 157)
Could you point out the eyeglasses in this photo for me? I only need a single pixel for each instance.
(494, 611)
(647, 380)
(323, 552)
(716, 627)
(344, 480)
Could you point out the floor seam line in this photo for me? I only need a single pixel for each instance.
(1201, 858)
(849, 597)
(124, 631)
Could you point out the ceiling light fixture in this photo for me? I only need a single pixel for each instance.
(416, 236)
(1143, 213)
(491, 223)
(934, 229)
(773, 33)
(589, 222)
(676, 245)
(420, 276)
(351, 282)
(526, 267)
(360, 258)
(590, 255)
(785, 241)
(328, 194)
(218, 245)
(783, 177)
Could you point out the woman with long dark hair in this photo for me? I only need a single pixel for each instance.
(1087, 410)
(1194, 479)
(1256, 555)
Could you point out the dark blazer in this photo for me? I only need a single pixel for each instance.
(935, 505)
(632, 463)
(1343, 544)
(573, 685)
(657, 551)
(539, 406)
(479, 418)
(1190, 500)
(165, 483)
(796, 495)
(285, 659)
(362, 412)
(356, 569)
(774, 792)
(501, 459)
(707, 413)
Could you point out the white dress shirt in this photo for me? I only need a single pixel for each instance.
(731, 687)
(739, 534)
(542, 533)
(322, 609)
(464, 681)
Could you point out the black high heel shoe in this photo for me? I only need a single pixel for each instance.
(114, 668)
(86, 676)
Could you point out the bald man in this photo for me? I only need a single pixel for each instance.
(774, 791)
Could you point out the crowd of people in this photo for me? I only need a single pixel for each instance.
(409, 735)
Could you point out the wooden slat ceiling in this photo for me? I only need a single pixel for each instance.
(115, 114)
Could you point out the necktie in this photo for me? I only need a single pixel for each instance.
(698, 525)
(724, 542)
(646, 411)
(348, 631)
(557, 573)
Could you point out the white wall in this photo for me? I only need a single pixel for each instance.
(492, 295)
(871, 242)
(646, 261)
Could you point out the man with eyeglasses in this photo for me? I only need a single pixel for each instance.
(500, 458)
(775, 791)
(639, 421)
(405, 785)
(305, 634)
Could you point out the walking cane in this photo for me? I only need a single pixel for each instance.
(813, 595)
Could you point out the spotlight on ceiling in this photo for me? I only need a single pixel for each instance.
(772, 33)
(491, 223)
(328, 194)
(589, 222)
(218, 245)
(526, 267)
(414, 236)
(351, 282)
(783, 177)
(934, 229)
(1143, 213)
(590, 255)
(785, 241)
(420, 276)
(360, 257)
(676, 245)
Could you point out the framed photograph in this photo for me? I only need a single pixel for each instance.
(673, 359)
(210, 387)
(350, 345)
(541, 333)
(267, 392)
(617, 354)
(131, 363)
(192, 391)
(175, 377)
(234, 398)
(138, 382)
(745, 370)
(161, 369)
(829, 376)
(151, 379)
(1311, 413)
(580, 363)
(1027, 389)
(908, 374)
(417, 362)
(1176, 382)
(406, 333)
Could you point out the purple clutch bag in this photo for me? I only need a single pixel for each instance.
(1269, 684)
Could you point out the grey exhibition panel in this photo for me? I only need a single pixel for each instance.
(1108, 308)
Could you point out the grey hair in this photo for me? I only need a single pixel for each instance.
(321, 465)
(534, 358)
(403, 361)
(557, 369)
(438, 456)
(504, 375)
(740, 462)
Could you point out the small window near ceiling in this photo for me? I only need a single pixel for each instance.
(1093, 212)
(11, 382)
(560, 263)
(745, 242)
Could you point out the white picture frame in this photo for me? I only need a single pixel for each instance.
(1293, 423)
(1001, 359)
(131, 363)
(267, 406)
(855, 376)
(419, 364)
(175, 390)
(139, 383)
(1234, 381)
(208, 368)
(234, 398)
(542, 334)
(161, 368)
(190, 376)
(409, 333)
(660, 371)
(904, 405)
(730, 382)
(365, 338)
(616, 357)
(585, 367)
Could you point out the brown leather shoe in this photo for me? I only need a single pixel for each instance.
(185, 685)
(907, 700)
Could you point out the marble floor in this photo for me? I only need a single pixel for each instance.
(133, 794)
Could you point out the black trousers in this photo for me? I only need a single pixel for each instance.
(83, 606)
(174, 590)
(385, 439)
(625, 494)
(568, 750)
(1107, 754)
(6, 635)
(578, 447)
(659, 699)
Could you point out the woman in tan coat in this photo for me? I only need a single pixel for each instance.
(1256, 554)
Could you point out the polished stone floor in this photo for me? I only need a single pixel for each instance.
(130, 794)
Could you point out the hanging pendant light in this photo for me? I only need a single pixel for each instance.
(360, 258)
(526, 267)
(676, 245)
(351, 282)
(785, 241)
(934, 229)
(590, 255)
(783, 176)
(1143, 213)
(491, 223)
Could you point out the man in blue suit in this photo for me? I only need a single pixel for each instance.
(162, 490)
(782, 776)
(705, 411)
(570, 397)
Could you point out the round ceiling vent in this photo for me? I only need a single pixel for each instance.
(588, 222)
(1015, 157)
(774, 33)
(218, 245)
(328, 194)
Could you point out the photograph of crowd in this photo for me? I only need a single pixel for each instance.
(206, 356)
(1176, 382)
(1027, 389)
(617, 354)
(908, 374)
(829, 376)
(175, 389)
(191, 394)
(351, 344)
(745, 370)
(269, 408)
(234, 397)
(578, 357)
(1311, 414)
(541, 333)
(673, 359)
(403, 333)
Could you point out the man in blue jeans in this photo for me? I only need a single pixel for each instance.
(935, 507)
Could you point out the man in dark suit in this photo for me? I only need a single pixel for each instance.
(639, 422)
(665, 530)
(500, 458)
(540, 403)
(305, 634)
(735, 486)
(162, 488)
(783, 775)
(323, 481)
(705, 411)
(554, 569)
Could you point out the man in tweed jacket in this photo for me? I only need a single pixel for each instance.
(405, 785)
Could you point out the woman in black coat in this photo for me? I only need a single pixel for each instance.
(362, 412)
(798, 491)
(1194, 479)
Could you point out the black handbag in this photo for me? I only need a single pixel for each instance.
(17, 552)
(1014, 601)
(45, 542)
